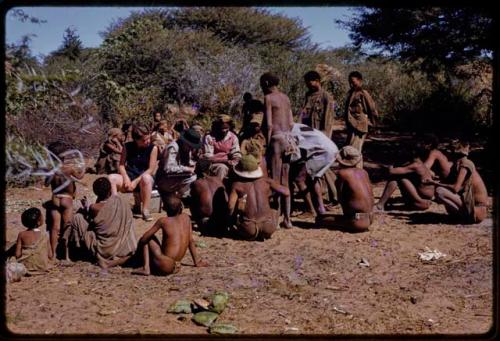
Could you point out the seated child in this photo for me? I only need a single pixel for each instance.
(162, 135)
(33, 246)
(60, 208)
(177, 237)
(254, 142)
(110, 152)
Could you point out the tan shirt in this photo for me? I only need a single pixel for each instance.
(318, 111)
(360, 110)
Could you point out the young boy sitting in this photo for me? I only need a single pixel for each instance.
(63, 185)
(177, 237)
(33, 246)
(110, 152)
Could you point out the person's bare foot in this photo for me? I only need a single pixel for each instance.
(141, 272)
(378, 208)
(287, 224)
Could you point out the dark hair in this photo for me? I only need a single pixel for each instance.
(138, 131)
(172, 204)
(431, 141)
(356, 74)
(269, 79)
(30, 217)
(419, 151)
(247, 96)
(125, 127)
(312, 76)
(57, 147)
(102, 187)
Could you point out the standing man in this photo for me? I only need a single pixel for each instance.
(319, 105)
(318, 114)
(278, 125)
(360, 112)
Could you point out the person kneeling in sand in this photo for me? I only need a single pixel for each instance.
(177, 237)
(464, 193)
(354, 192)
(412, 181)
(249, 200)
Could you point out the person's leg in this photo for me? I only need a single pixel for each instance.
(451, 201)
(411, 196)
(67, 215)
(318, 194)
(287, 223)
(55, 228)
(389, 189)
(116, 181)
(146, 185)
(146, 269)
(163, 264)
(306, 195)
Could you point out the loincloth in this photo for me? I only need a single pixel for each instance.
(245, 224)
(290, 146)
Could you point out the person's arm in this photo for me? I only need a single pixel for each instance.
(328, 103)
(269, 118)
(235, 152)
(113, 147)
(208, 148)
(194, 253)
(402, 170)
(457, 186)
(123, 172)
(146, 237)
(19, 246)
(371, 107)
(233, 199)
(278, 188)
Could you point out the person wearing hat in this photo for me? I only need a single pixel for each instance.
(254, 142)
(463, 192)
(176, 166)
(354, 192)
(110, 152)
(249, 200)
(221, 147)
(412, 181)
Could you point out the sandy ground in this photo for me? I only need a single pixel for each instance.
(307, 280)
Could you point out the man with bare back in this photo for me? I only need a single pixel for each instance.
(209, 205)
(249, 200)
(412, 182)
(277, 127)
(463, 192)
(355, 193)
(177, 237)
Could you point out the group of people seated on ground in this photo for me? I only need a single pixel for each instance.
(240, 184)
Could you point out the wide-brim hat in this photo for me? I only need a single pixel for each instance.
(349, 156)
(192, 138)
(248, 168)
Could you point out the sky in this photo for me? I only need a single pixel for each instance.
(89, 21)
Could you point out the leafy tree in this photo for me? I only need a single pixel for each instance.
(71, 46)
(437, 38)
